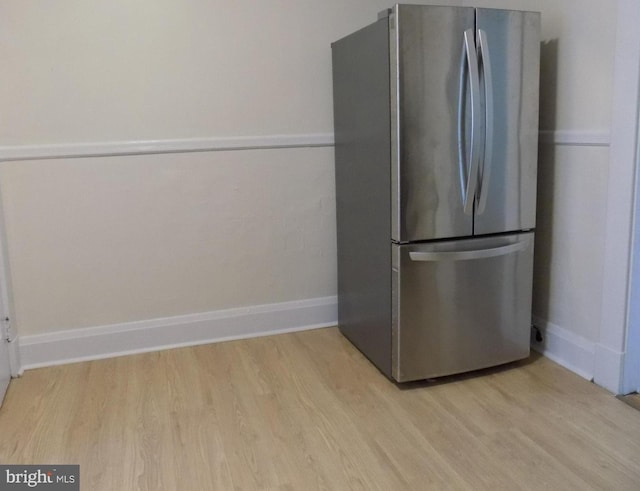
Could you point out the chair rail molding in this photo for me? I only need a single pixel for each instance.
(575, 138)
(177, 145)
(48, 151)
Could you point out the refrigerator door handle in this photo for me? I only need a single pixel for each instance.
(469, 179)
(485, 173)
(469, 255)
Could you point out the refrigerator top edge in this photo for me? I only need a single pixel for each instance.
(386, 13)
(383, 14)
(351, 34)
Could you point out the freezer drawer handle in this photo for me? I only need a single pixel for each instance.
(466, 255)
(469, 180)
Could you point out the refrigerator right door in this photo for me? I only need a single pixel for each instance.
(509, 58)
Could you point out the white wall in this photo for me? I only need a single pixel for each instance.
(99, 70)
(109, 240)
(113, 240)
(570, 239)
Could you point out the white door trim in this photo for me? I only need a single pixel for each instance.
(610, 350)
(7, 320)
(631, 369)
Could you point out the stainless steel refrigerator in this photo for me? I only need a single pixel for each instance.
(436, 127)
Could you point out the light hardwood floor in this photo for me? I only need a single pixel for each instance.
(306, 411)
(632, 399)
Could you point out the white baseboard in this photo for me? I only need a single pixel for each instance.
(93, 343)
(566, 348)
(608, 367)
(74, 345)
(14, 358)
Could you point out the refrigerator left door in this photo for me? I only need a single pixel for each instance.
(431, 82)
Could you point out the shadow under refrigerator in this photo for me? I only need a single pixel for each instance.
(436, 128)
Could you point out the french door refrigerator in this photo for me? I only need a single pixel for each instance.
(436, 128)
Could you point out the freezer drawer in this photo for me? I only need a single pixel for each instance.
(460, 305)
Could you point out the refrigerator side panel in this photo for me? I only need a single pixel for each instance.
(428, 70)
(510, 42)
(363, 189)
(462, 305)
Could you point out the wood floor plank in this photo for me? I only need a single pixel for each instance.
(632, 400)
(308, 411)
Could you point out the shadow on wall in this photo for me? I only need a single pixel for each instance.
(546, 178)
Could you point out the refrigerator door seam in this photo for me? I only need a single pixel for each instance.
(394, 103)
